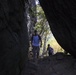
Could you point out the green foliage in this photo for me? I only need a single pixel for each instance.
(44, 30)
(42, 24)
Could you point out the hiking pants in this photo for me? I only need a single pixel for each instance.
(35, 51)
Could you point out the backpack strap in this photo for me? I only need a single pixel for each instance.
(39, 37)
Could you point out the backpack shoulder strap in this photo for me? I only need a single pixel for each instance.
(39, 37)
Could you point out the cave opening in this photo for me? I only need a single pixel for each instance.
(44, 30)
(19, 18)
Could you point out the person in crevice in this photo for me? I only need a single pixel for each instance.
(50, 50)
(36, 43)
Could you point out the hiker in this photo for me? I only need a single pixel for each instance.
(50, 50)
(36, 42)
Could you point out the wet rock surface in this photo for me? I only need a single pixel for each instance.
(53, 65)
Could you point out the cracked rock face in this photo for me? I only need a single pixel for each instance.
(61, 15)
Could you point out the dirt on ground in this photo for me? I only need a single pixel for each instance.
(58, 64)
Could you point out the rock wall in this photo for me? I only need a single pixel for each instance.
(13, 37)
(61, 15)
(31, 15)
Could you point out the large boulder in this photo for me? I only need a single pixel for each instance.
(61, 15)
(13, 37)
